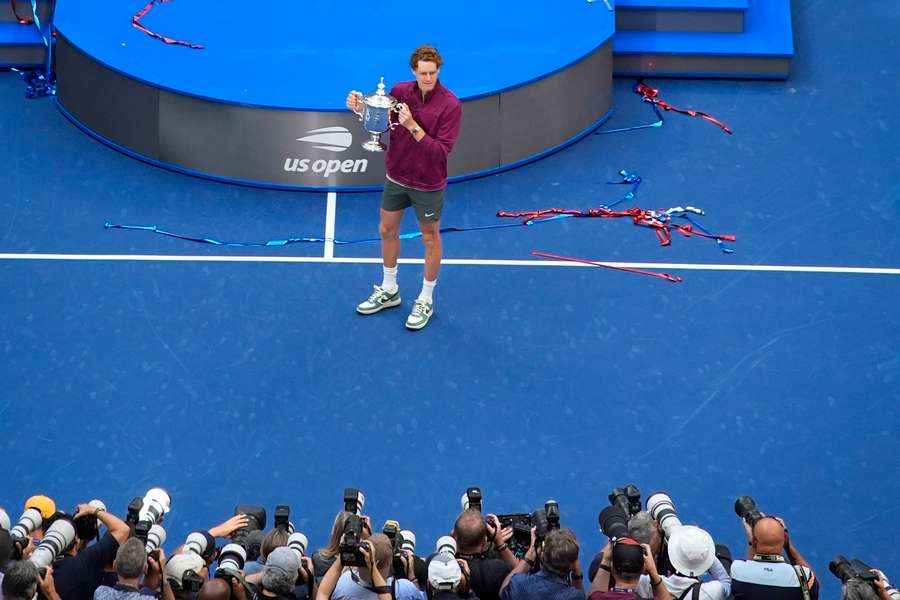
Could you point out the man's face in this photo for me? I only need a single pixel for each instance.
(426, 73)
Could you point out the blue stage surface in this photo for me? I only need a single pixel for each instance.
(307, 55)
(678, 4)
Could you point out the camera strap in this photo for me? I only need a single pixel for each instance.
(804, 582)
(694, 590)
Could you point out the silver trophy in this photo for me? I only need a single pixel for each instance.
(376, 116)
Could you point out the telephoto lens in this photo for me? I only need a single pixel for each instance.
(57, 538)
(408, 540)
(354, 501)
(232, 558)
(446, 544)
(4, 520)
(256, 521)
(661, 508)
(282, 517)
(539, 521)
(745, 508)
(156, 537)
(298, 543)
(28, 522)
(156, 505)
(195, 544)
(391, 529)
(613, 522)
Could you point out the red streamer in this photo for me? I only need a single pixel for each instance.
(135, 20)
(12, 5)
(649, 94)
(666, 276)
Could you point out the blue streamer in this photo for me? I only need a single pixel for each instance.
(657, 123)
(40, 83)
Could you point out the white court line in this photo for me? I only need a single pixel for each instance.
(330, 213)
(451, 261)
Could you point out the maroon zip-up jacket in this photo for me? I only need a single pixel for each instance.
(423, 165)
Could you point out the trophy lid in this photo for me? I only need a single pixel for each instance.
(378, 99)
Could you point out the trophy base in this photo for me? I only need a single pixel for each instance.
(374, 146)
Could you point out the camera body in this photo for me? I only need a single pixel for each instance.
(354, 501)
(283, 518)
(627, 498)
(472, 499)
(351, 556)
(521, 524)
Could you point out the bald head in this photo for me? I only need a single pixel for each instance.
(470, 532)
(768, 536)
(215, 589)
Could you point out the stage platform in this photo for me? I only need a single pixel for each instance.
(531, 80)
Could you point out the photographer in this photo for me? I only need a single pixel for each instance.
(691, 553)
(448, 579)
(642, 528)
(369, 582)
(79, 573)
(625, 560)
(487, 573)
(766, 575)
(22, 580)
(182, 568)
(132, 564)
(560, 575)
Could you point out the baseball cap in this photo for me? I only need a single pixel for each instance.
(691, 550)
(179, 564)
(282, 558)
(628, 556)
(444, 572)
(44, 504)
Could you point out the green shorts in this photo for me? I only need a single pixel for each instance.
(428, 205)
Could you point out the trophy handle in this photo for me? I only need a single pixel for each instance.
(396, 109)
(359, 113)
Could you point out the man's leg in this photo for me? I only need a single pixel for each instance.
(393, 203)
(389, 230)
(431, 237)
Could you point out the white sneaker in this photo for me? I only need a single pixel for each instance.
(420, 315)
(378, 300)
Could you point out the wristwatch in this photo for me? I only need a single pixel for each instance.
(415, 131)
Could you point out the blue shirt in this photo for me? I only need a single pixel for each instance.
(540, 586)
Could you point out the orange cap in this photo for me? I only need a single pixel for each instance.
(43, 503)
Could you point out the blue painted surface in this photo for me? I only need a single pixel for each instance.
(14, 34)
(767, 32)
(258, 383)
(307, 55)
(717, 5)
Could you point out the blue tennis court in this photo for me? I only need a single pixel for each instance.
(243, 374)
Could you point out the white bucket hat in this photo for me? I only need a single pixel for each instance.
(691, 550)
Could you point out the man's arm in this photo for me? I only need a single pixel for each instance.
(225, 529)
(439, 143)
(660, 591)
(326, 586)
(47, 585)
(718, 573)
(117, 527)
(522, 566)
(601, 579)
(501, 541)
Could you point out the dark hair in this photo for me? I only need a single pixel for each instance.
(20, 580)
(560, 551)
(6, 548)
(274, 539)
(469, 529)
(426, 53)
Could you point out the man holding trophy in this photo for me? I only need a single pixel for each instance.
(426, 127)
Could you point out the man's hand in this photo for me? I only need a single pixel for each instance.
(500, 535)
(238, 591)
(83, 510)
(531, 554)
(225, 529)
(355, 101)
(155, 569)
(649, 563)
(47, 585)
(368, 552)
(404, 116)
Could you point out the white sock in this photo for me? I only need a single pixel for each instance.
(427, 290)
(389, 283)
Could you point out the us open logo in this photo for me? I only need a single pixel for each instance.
(329, 139)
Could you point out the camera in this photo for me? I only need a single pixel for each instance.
(298, 543)
(350, 542)
(392, 530)
(29, 521)
(133, 512)
(195, 544)
(57, 538)
(627, 498)
(613, 522)
(231, 559)
(845, 570)
(191, 582)
(551, 509)
(407, 540)
(661, 508)
(142, 530)
(745, 508)
(156, 537)
(282, 518)
(521, 525)
(471, 500)
(156, 504)
(446, 544)
(354, 501)
(256, 521)
(86, 527)
(4, 520)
